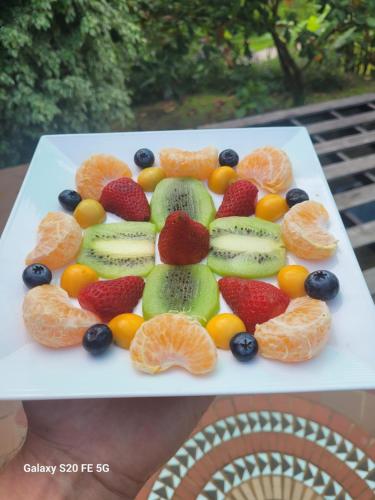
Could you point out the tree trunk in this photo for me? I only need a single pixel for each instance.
(292, 73)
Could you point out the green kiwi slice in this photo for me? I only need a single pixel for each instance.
(119, 249)
(247, 247)
(188, 289)
(181, 193)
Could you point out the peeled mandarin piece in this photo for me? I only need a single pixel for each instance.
(173, 340)
(296, 335)
(304, 233)
(59, 240)
(52, 320)
(180, 163)
(96, 172)
(267, 167)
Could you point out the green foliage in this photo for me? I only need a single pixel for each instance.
(64, 67)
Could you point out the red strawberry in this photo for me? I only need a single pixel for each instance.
(183, 240)
(239, 199)
(125, 198)
(253, 301)
(109, 298)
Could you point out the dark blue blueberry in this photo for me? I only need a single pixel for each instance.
(36, 275)
(69, 199)
(144, 158)
(97, 338)
(244, 346)
(228, 157)
(322, 285)
(296, 195)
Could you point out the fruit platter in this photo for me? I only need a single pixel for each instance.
(180, 263)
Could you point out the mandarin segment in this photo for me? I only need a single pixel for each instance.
(267, 167)
(96, 172)
(296, 335)
(52, 320)
(173, 340)
(180, 163)
(304, 232)
(59, 240)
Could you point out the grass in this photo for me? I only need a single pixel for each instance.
(206, 108)
(261, 42)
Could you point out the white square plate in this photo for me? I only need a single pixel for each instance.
(31, 371)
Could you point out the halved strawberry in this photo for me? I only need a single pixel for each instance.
(109, 298)
(125, 198)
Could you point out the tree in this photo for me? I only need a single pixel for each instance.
(64, 67)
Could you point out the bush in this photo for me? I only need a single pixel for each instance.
(65, 67)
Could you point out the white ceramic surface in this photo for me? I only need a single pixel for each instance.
(30, 371)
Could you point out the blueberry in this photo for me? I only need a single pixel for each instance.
(144, 158)
(322, 285)
(228, 157)
(295, 195)
(244, 346)
(69, 199)
(36, 274)
(97, 338)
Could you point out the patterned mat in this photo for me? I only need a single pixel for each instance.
(274, 447)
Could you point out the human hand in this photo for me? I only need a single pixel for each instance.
(133, 436)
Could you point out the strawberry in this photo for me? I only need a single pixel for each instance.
(183, 240)
(239, 199)
(253, 301)
(125, 198)
(109, 298)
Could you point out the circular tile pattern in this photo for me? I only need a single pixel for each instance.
(311, 457)
(248, 474)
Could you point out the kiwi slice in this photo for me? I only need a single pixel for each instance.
(189, 289)
(247, 247)
(182, 193)
(119, 249)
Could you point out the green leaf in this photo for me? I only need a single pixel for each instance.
(344, 38)
(313, 23)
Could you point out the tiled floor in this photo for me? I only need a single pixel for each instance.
(305, 446)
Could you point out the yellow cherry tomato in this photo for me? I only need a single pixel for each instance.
(89, 212)
(150, 177)
(291, 280)
(76, 277)
(222, 327)
(271, 207)
(124, 327)
(220, 178)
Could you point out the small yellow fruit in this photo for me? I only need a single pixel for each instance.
(76, 277)
(271, 207)
(291, 280)
(124, 327)
(220, 178)
(150, 177)
(89, 212)
(222, 327)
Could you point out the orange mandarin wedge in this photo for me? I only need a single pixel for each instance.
(180, 163)
(96, 172)
(304, 233)
(296, 335)
(173, 340)
(59, 240)
(267, 167)
(52, 320)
